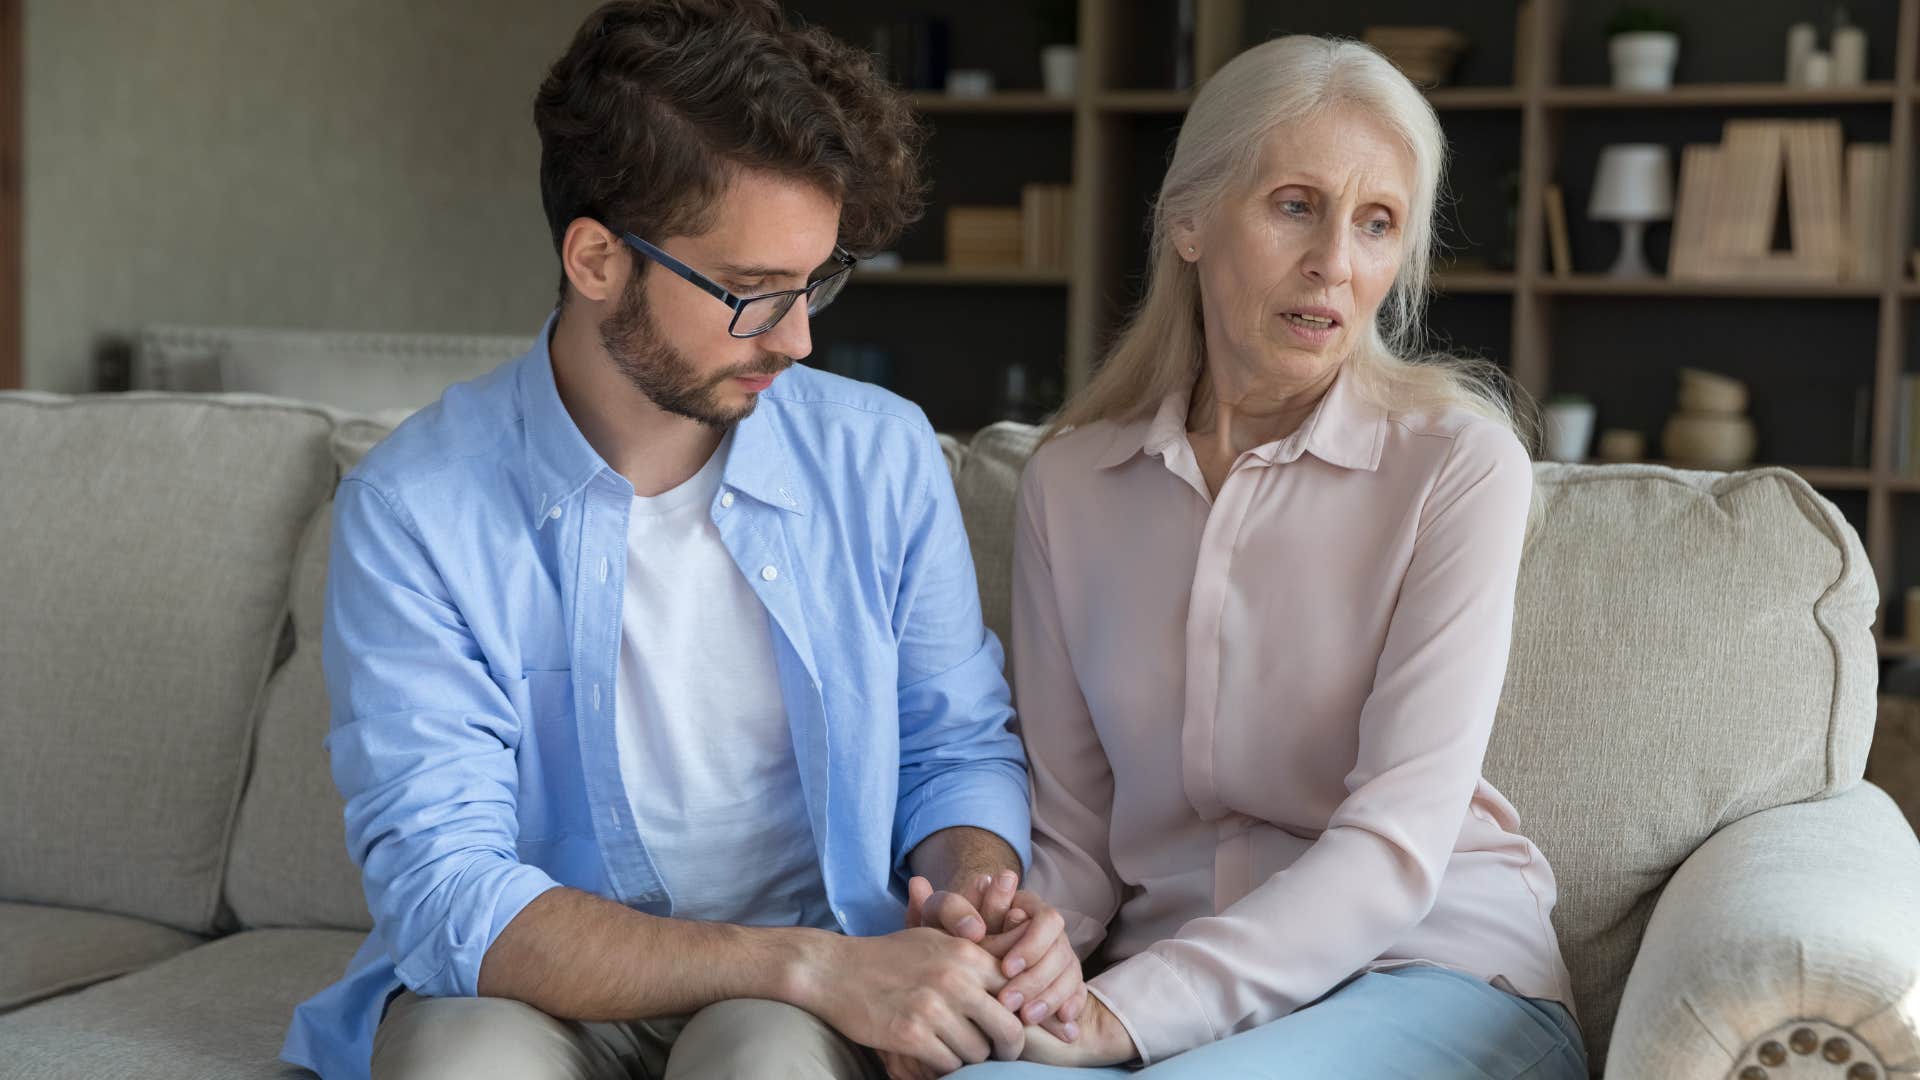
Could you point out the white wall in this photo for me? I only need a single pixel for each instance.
(333, 164)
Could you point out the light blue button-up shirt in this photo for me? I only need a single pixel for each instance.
(473, 628)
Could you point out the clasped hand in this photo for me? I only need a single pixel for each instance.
(1043, 984)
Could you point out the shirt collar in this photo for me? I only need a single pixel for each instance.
(560, 461)
(1344, 429)
(760, 464)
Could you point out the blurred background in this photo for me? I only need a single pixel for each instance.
(1687, 227)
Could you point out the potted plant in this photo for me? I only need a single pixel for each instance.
(1643, 45)
(1056, 23)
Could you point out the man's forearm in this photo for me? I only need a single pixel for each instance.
(953, 858)
(578, 956)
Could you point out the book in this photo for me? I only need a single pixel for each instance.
(1693, 208)
(1817, 223)
(1909, 426)
(1046, 215)
(1748, 195)
(984, 236)
(1557, 244)
(1869, 175)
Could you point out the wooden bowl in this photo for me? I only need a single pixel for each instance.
(1708, 441)
(1709, 392)
(1424, 54)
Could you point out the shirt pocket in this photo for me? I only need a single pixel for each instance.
(547, 759)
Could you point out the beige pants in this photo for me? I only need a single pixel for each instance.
(497, 1039)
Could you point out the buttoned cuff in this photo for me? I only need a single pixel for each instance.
(981, 798)
(1155, 1005)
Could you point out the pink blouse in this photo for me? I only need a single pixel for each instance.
(1256, 722)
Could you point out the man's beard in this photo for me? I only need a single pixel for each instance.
(665, 374)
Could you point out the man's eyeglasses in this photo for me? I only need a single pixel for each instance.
(755, 315)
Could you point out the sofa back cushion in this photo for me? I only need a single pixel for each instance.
(289, 866)
(143, 572)
(1689, 648)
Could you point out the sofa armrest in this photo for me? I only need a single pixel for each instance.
(1803, 920)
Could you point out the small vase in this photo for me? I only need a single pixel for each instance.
(1569, 430)
(1643, 60)
(1060, 70)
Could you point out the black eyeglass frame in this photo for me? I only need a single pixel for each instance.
(719, 292)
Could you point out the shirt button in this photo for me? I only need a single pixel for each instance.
(603, 569)
(726, 498)
(596, 697)
(840, 913)
(768, 573)
(554, 513)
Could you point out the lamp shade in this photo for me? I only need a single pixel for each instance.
(1633, 183)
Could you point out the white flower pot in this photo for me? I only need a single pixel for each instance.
(1643, 60)
(1569, 430)
(1060, 69)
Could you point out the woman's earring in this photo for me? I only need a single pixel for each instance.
(1191, 249)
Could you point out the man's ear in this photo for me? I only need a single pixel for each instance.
(596, 261)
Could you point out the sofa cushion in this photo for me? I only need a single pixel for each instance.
(49, 950)
(289, 865)
(218, 1012)
(1689, 648)
(986, 481)
(149, 543)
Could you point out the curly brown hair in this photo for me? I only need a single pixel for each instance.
(657, 102)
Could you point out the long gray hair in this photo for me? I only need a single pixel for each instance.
(1284, 81)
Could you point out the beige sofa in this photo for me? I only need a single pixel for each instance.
(1684, 728)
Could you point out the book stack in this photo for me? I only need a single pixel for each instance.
(1046, 219)
(1730, 201)
(984, 237)
(1906, 448)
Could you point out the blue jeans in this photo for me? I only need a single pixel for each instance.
(1422, 1023)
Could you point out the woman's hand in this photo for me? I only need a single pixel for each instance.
(902, 1067)
(1027, 935)
(1103, 1041)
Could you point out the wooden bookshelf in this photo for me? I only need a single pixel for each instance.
(1531, 116)
(1176, 101)
(1720, 96)
(936, 274)
(1474, 281)
(1003, 102)
(1476, 97)
(1143, 101)
(1602, 285)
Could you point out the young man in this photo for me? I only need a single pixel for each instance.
(656, 662)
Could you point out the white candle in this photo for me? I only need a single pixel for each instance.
(1801, 40)
(1817, 69)
(1849, 56)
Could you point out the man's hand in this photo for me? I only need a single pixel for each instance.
(1103, 1041)
(1024, 932)
(916, 994)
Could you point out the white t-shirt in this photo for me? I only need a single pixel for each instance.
(705, 751)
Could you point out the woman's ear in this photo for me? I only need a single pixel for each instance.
(1186, 240)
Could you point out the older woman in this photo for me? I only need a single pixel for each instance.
(1264, 580)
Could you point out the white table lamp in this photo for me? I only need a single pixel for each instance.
(1634, 185)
